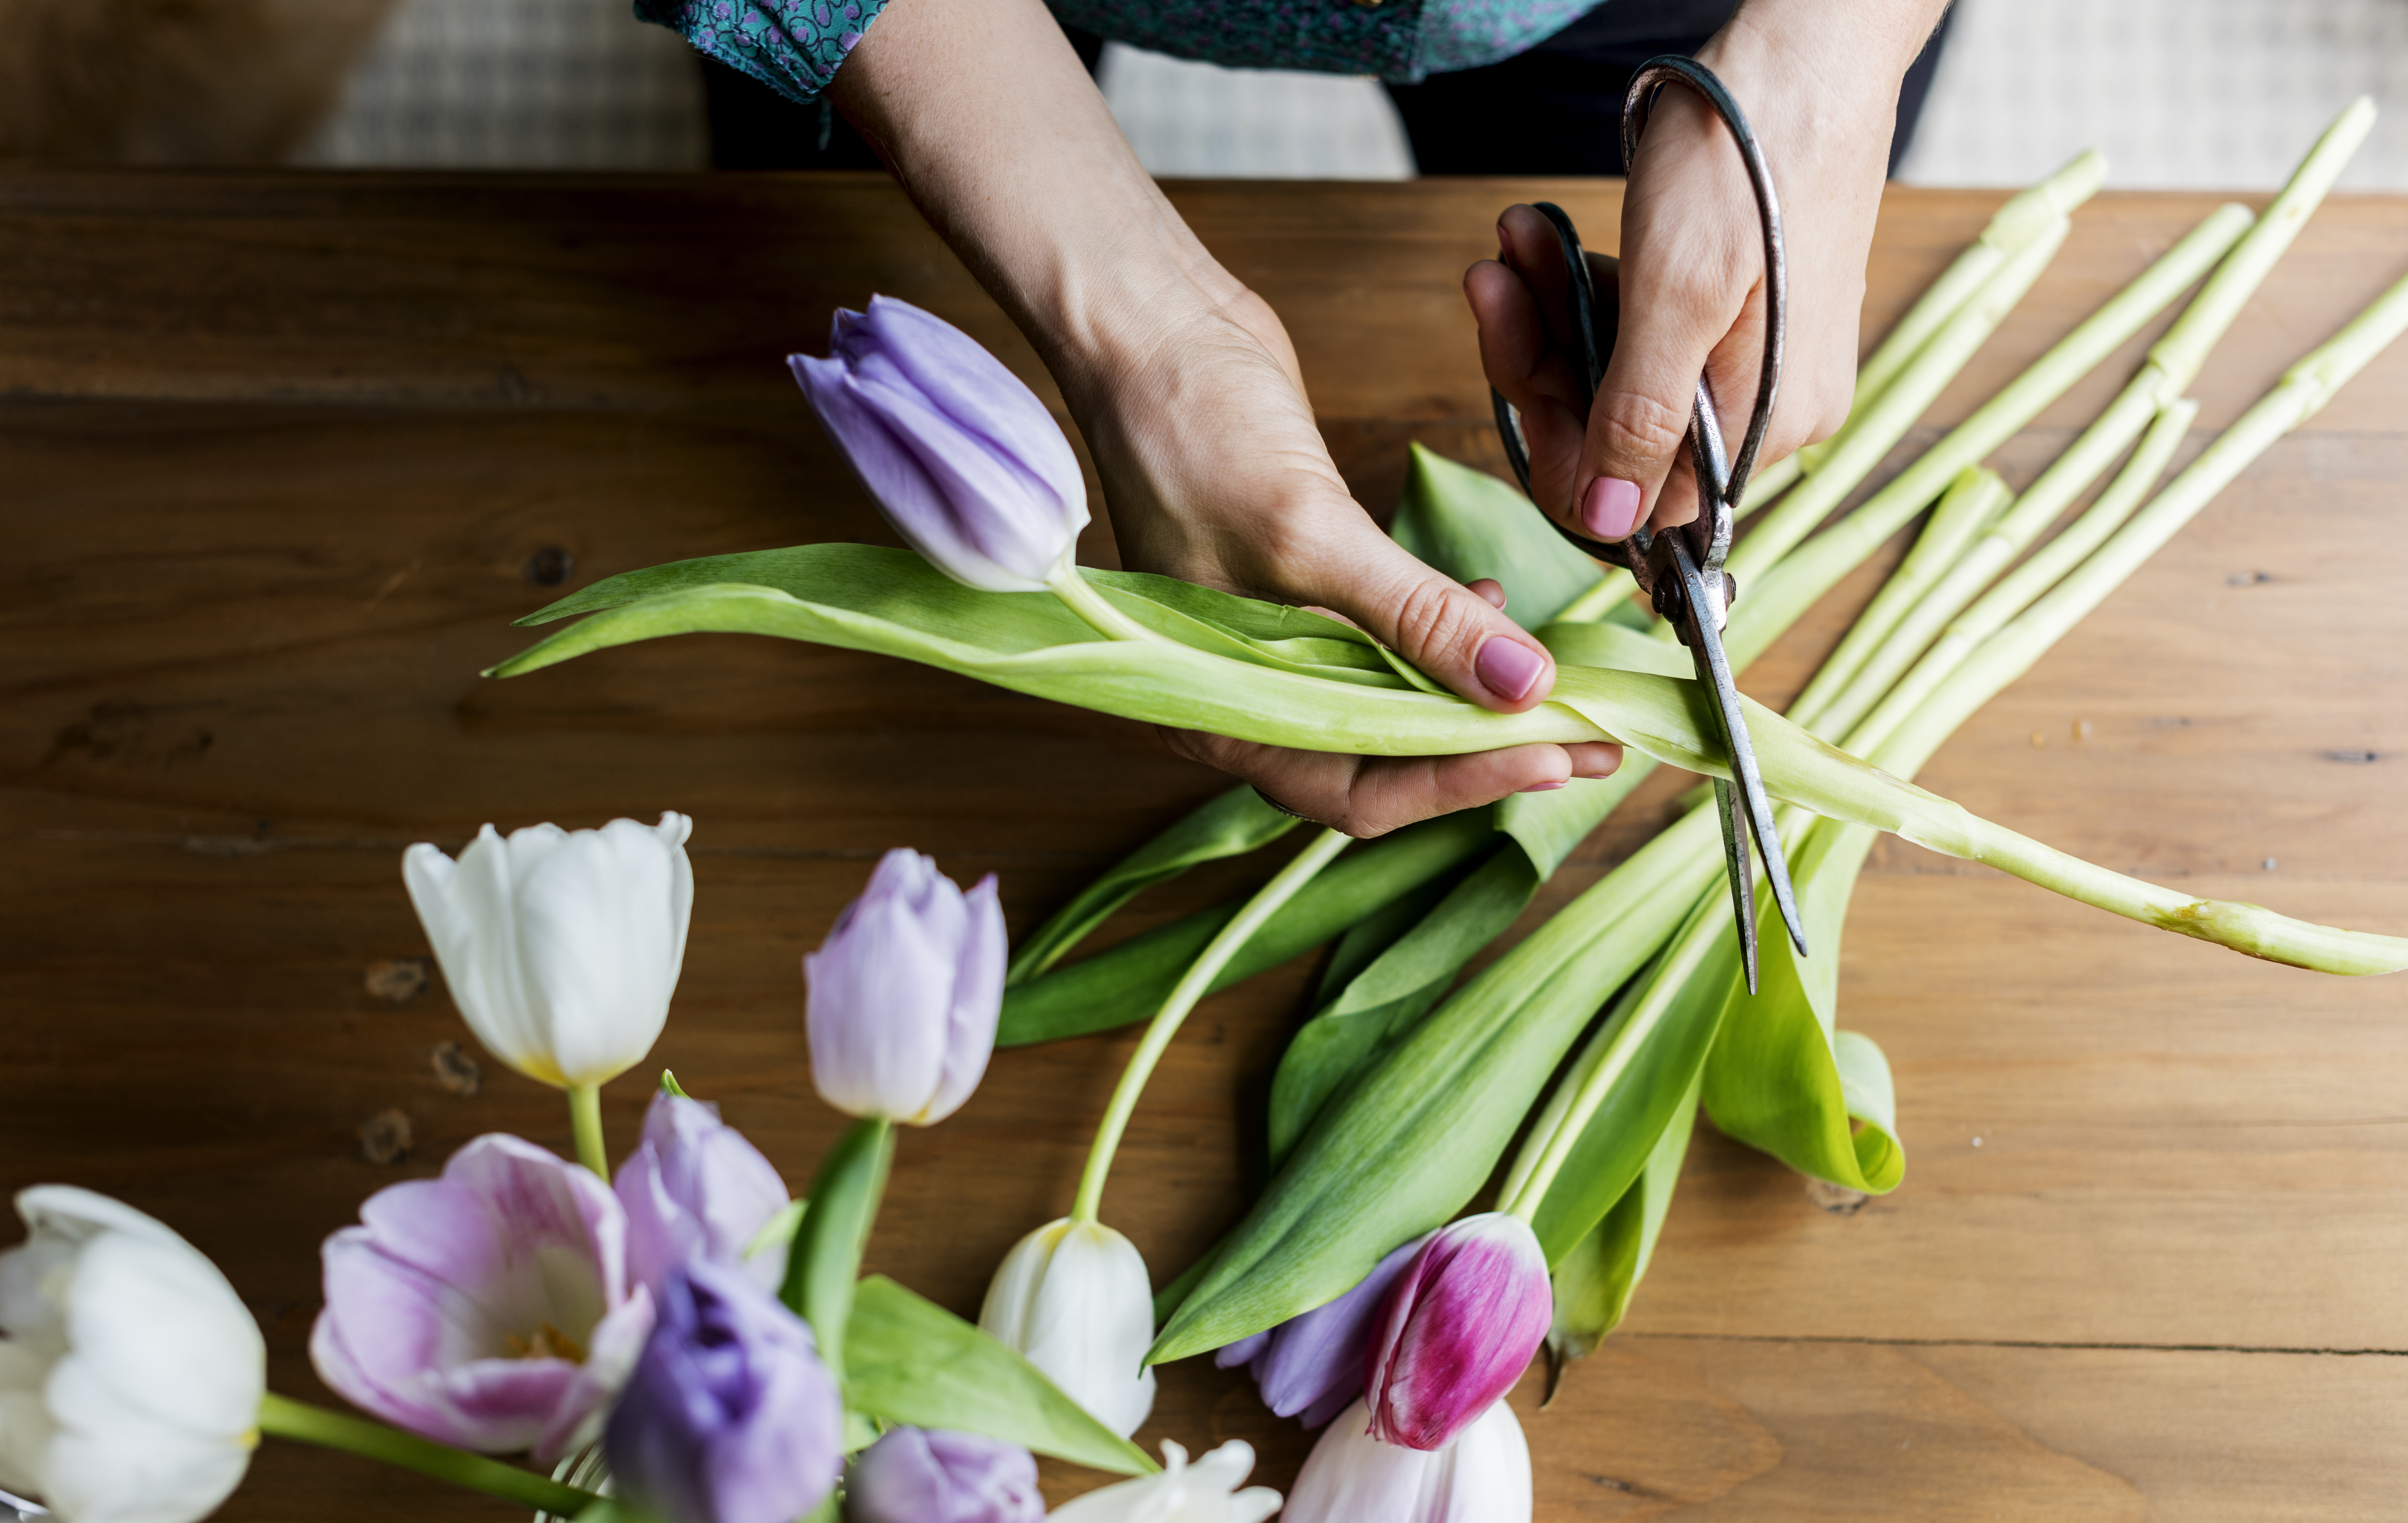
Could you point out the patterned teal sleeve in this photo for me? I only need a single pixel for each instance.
(792, 46)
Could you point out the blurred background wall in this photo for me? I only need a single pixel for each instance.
(2220, 93)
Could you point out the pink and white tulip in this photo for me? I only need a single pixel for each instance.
(490, 1307)
(1482, 1476)
(1458, 1328)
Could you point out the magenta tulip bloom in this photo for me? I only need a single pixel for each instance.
(905, 993)
(932, 1475)
(694, 1189)
(488, 1308)
(730, 1416)
(1458, 1329)
(962, 458)
(1312, 1365)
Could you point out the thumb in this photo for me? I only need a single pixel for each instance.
(1641, 420)
(1437, 623)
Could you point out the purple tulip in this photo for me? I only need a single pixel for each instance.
(488, 1308)
(1312, 1364)
(1458, 1328)
(730, 1416)
(905, 993)
(933, 1475)
(694, 1189)
(962, 458)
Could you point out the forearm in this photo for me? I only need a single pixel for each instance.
(1846, 58)
(994, 128)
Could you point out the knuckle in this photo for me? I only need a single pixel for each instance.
(1432, 619)
(1639, 425)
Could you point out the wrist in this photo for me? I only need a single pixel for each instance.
(1835, 65)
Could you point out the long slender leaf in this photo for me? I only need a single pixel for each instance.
(1470, 525)
(1595, 1281)
(1129, 981)
(1230, 825)
(912, 1361)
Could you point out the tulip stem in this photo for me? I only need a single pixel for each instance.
(1190, 989)
(585, 1121)
(1072, 586)
(297, 1420)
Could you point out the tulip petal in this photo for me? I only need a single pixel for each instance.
(602, 926)
(977, 1002)
(1482, 1476)
(1090, 1323)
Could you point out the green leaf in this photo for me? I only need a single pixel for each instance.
(1393, 993)
(1400, 1151)
(912, 1361)
(1470, 524)
(1614, 1148)
(827, 1253)
(1129, 980)
(1776, 1079)
(1231, 825)
(1594, 1282)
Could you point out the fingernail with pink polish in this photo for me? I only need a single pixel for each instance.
(1508, 669)
(1609, 508)
(1541, 788)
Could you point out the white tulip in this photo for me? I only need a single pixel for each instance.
(1073, 1298)
(1204, 1492)
(1481, 1476)
(131, 1375)
(562, 947)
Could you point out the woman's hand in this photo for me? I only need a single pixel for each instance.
(1819, 83)
(1186, 389)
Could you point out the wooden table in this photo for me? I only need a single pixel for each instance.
(283, 455)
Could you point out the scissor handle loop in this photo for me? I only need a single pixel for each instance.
(1652, 76)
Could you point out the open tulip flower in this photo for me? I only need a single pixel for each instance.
(729, 1417)
(1072, 1297)
(1205, 1492)
(488, 1308)
(1311, 1366)
(1458, 1328)
(933, 1476)
(131, 1374)
(561, 947)
(963, 459)
(694, 1189)
(905, 993)
(1481, 1476)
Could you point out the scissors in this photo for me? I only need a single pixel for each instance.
(1680, 569)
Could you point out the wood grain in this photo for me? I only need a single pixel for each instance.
(284, 455)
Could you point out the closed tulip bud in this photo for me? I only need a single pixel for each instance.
(729, 1417)
(1311, 1366)
(932, 1475)
(131, 1374)
(1458, 1329)
(561, 947)
(1482, 1476)
(905, 993)
(1206, 1491)
(962, 458)
(694, 1189)
(1073, 1298)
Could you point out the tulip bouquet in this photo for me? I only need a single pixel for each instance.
(1354, 1291)
(678, 1342)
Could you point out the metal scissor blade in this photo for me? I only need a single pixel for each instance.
(1753, 802)
(1742, 875)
